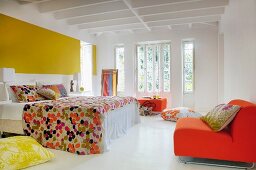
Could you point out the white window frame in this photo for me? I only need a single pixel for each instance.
(161, 85)
(88, 85)
(119, 46)
(183, 66)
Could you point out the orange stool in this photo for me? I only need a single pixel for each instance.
(159, 103)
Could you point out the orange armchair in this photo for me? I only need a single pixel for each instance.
(193, 138)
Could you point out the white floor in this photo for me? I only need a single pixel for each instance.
(147, 146)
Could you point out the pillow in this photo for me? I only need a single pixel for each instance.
(48, 93)
(21, 152)
(219, 117)
(58, 89)
(26, 93)
(12, 95)
(177, 113)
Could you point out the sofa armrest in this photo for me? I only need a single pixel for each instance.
(243, 127)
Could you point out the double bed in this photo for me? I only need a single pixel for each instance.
(82, 125)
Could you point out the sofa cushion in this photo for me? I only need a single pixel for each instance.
(220, 116)
(192, 137)
(177, 113)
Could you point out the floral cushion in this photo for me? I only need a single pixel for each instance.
(22, 151)
(59, 89)
(220, 116)
(177, 113)
(26, 93)
(48, 93)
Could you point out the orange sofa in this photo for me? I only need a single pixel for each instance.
(193, 138)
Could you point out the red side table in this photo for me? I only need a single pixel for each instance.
(160, 103)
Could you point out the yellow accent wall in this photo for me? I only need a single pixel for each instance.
(32, 49)
(94, 60)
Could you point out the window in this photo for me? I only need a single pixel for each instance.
(153, 67)
(86, 66)
(119, 57)
(188, 66)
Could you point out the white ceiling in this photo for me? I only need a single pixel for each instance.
(98, 16)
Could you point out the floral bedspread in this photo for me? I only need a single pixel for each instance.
(71, 124)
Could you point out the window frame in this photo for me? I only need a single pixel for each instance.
(82, 45)
(161, 67)
(115, 66)
(183, 66)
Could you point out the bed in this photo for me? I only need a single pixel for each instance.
(45, 122)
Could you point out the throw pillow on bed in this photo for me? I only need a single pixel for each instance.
(58, 89)
(21, 152)
(179, 112)
(219, 117)
(48, 93)
(26, 93)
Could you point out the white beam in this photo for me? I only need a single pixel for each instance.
(185, 14)
(116, 28)
(101, 17)
(91, 10)
(169, 27)
(149, 3)
(213, 24)
(125, 21)
(193, 5)
(135, 13)
(56, 5)
(184, 21)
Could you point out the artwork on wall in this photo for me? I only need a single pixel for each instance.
(109, 82)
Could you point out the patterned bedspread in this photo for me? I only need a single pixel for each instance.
(71, 124)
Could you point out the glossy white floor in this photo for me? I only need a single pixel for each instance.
(147, 146)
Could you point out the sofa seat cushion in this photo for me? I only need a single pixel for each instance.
(192, 137)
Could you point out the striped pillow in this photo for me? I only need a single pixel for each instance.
(58, 89)
(48, 93)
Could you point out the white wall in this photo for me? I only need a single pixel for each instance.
(239, 28)
(206, 58)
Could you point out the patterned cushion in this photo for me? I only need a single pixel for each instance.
(58, 88)
(48, 93)
(26, 93)
(219, 117)
(177, 113)
(22, 151)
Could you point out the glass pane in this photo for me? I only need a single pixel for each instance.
(188, 86)
(188, 69)
(188, 55)
(86, 66)
(188, 46)
(157, 71)
(120, 67)
(166, 67)
(150, 68)
(141, 68)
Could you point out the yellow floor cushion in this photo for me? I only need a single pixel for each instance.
(22, 151)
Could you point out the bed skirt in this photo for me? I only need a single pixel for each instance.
(11, 126)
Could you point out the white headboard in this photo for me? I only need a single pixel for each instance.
(45, 78)
(25, 79)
